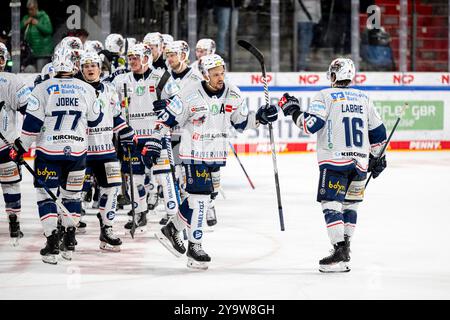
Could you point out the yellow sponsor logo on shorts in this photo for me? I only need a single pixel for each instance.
(204, 174)
(337, 186)
(47, 173)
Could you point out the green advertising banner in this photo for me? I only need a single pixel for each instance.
(420, 115)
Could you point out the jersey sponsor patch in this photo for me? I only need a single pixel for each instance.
(337, 96)
(175, 106)
(33, 104)
(75, 180)
(9, 172)
(53, 89)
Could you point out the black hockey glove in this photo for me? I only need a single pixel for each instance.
(17, 151)
(159, 106)
(266, 114)
(151, 151)
(289, 104)
(127, 139)
(376, 165)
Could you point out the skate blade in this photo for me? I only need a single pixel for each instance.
(80, 231)
(197, 265)
(14, 242)
(104, 246)
(167, 244)
(335, 268)
(67, 255)
(50, 259)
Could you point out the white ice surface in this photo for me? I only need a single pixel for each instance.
(400, 249)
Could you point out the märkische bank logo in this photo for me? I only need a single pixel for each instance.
(53, 89)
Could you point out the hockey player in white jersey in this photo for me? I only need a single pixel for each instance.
(177, 55)
(13, 100)
(203, 48)
(350, 136)
(102, 162)
(205, 110)
(58, 114)
(156, 43)
(144, 86)
(114, 51)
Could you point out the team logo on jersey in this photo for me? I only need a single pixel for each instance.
(53, 89)
(140, 90)
(215, 109)
(33, 104)
(67, 151)
(338, 96)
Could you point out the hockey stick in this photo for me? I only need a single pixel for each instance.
(405, 106)
(49, 192)
(259, 56)
(243, 169)
(130, 162)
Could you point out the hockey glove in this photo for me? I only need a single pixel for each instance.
(127, 139)
(17, 151)
(159, 106)
(266, 114)
(151, 151)
(289, 104)
(376, 165)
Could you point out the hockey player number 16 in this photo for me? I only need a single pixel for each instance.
(352, 131)
(61, 114)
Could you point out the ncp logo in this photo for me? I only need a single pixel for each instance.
(308, 79)
(360, 78)
(258, 79)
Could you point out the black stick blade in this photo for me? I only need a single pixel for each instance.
(253, 50)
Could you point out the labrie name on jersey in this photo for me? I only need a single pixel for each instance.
(100, 137)
(142, 91)
(340, 114)
(13, 99)
(58, 114)
(205, 119)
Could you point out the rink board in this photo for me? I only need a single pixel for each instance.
(424, 126)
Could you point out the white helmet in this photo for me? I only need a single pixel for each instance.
(74, 44)
(93, 46)
(141, 50)
(91, 57)
(115, 43)
(179, 47)
(206, 44)
(49, 70)
(167, 39)
(4, 53)
(210, 61)
(131, 42)
(155, 39)
(343, 69)
(63, 60)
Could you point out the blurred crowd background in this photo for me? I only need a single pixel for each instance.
(294, 35)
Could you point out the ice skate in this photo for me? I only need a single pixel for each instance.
(67, 246)
(347, 247)
(51, 251)
(141, 224)
(14, 230)
(108, 240)
(197, 257)
(123, 200)
(152, 201)
(81, 228)
(170, 238)
(337, 261)
(164, 220)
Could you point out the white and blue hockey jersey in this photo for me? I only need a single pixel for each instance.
(58, 114)
(100, 137)
(348, 128)
(142, 92)
(13, 99)
(205, 119)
